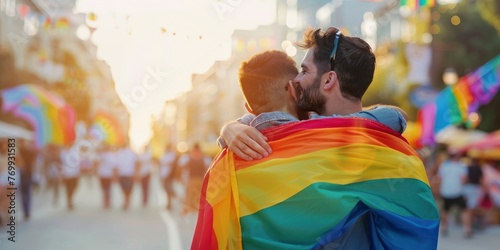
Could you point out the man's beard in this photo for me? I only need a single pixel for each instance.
(311, 99)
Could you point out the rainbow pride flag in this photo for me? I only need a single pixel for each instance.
(454, 103)
(346, 182)
(107, 128)
(52, 119)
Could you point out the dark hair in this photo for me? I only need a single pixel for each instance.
(263, 80)
(354, 61)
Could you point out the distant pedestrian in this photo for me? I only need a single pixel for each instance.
(492, 182)
(29, 156)
(128, 165)
(52, 168)
(107, 162)
(168, 171)
(70, 160)
(473, 191)
(146, 163)
(87, 161)
(4, 180)
(196, 166)
(453, 175)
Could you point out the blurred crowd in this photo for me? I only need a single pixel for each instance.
(57, 170)
(467, 191)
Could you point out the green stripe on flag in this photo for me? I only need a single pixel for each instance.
(322, 205)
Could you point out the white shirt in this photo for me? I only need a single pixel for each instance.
(70, 160)
(452, 173)
(166, 164)
(107, 163)
(126, 162)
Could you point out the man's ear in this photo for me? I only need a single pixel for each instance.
(331, 80)
(292, 91)
(248, 108)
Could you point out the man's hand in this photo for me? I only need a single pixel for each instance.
(245, 141)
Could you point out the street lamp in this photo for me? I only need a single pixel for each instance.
(450, 76)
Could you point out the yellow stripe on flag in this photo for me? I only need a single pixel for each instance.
(342, 165)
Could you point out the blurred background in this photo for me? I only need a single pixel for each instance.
(86, 85)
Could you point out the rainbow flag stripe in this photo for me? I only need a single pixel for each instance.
(324, 176)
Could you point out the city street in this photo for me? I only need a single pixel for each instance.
(484, 240)
(91, 227)
(408, 92)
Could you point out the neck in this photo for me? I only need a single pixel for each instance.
(342, 106)
(284, 109)
(289, 110)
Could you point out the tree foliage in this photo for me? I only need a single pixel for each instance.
(465, 45)
(490, 11)
(471, 43)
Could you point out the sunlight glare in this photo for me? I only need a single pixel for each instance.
(154, 44)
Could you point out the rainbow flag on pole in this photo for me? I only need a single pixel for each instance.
(52, 119)
(325, 178)
(454, 103)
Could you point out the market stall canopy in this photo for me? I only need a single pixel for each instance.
(457, 138)
(486, 148)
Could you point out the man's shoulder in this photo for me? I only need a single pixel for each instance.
(272, 119)
(380, 112)
(388, 116)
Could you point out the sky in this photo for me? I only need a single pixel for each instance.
(154, 46)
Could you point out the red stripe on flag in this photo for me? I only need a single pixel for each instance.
(204, 232)
(276, 133)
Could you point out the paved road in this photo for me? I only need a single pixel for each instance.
(488, 239)
(91, 227)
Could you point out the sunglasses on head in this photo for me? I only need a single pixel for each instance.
(335, 46)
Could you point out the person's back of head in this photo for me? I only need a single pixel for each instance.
(353, 61)
(264, 80)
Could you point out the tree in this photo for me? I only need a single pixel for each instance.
(490, 11)
(468, 45)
